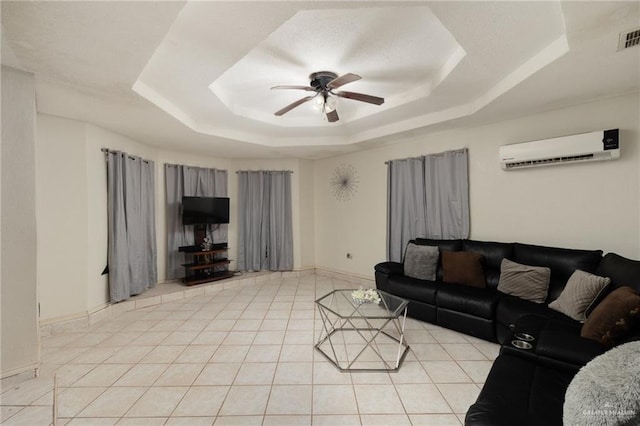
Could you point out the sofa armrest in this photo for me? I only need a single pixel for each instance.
(390, 268)
(384, 270)
(557, 343)
(568, 348)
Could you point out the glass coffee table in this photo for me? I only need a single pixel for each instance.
(362, 335)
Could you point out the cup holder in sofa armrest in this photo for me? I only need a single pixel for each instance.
(524, 336)
(521, 344)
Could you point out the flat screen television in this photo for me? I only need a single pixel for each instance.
(205, 210)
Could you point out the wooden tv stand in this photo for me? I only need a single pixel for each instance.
(205, 266)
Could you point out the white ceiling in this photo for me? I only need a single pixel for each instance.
(196, 75)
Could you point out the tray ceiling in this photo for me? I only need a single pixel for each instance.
(197, 75)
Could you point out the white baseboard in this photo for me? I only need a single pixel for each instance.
(83, 321)
(364, 281)
(11, 377)
(78, 322)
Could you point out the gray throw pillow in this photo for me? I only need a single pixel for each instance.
(421, 261)
(524, 281)
(581, 291)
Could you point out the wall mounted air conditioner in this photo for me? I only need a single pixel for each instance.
(594, 146)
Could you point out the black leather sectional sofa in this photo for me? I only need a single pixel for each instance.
(524, 386)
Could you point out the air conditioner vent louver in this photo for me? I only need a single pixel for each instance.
(545, 161)
(593, 146)
(629, 39)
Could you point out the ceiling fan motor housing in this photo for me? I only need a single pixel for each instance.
(320, 79)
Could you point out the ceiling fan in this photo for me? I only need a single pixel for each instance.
(323, 83)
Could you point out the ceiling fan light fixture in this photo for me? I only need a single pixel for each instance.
(330, 104)
(324, 103)
(318, 102)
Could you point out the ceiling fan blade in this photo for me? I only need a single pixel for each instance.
(361, 97)
(332, 116)
(293, 105)
(308, 88)
(342, 80)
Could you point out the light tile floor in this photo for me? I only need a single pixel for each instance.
(242, 356)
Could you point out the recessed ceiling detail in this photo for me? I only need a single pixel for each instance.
(430, 64)
(438, 65)
(402, 55)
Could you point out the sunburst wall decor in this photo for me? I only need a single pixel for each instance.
(344, 182)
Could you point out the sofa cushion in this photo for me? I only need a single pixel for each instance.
(413, 288)
(480, 302)
(492, 254)
(581, 291)
(463, 267)
(622, 271)
(524, 281)
(562, 262)
(421, 261)
(614, 317)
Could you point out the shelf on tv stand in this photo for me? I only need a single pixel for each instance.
(216, 276)
(205, 267)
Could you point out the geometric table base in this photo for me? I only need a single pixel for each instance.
(354, 341)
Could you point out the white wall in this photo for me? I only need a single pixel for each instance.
(582, 206)
(20, 346)
(307, 214)
(72, 210)
(352, 226)
(591, 205)
(62, 215)
(71, 200)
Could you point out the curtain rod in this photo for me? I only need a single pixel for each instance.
(194, 167)
(264, 171)
(454, 151)
(131, 157)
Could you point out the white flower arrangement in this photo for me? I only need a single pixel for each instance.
(207, 244)
(362, 295)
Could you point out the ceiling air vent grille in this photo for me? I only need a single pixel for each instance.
(629, 39)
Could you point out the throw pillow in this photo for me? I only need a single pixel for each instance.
(524, 281)
(463, 267)
(581, 291)
(613, 317)
(421, 261)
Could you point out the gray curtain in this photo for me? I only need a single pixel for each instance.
(265, 230)
(427, 197)
(406, 206)
(191, 182)
(132, 255)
